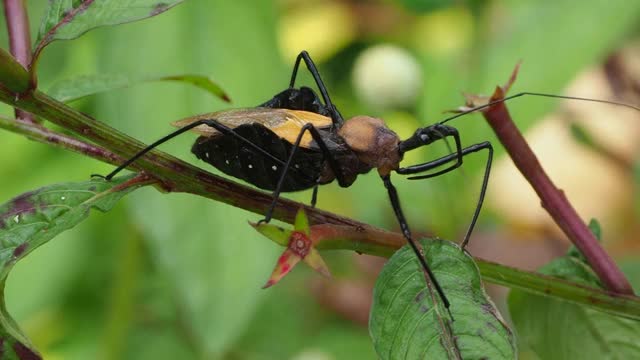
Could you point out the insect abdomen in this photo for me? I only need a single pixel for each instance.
(234, 157)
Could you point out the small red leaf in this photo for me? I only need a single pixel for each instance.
(316, 262)
(474, 101)
(514, 74)
(274, 233)
(299, 247)
(286, 262)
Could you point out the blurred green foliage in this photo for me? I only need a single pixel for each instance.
(173, 276)
(556, 336)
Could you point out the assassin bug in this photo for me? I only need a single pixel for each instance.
(298, 140)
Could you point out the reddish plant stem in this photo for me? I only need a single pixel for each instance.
(141, 179)
(41, 134)
(18, 27)
(15, 13)
(553, 199)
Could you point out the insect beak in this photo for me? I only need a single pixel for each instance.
(415, 141)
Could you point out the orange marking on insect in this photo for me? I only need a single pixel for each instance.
(283, 122)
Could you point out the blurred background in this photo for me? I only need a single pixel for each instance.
(175, 276)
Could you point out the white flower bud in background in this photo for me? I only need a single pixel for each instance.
(386, 76)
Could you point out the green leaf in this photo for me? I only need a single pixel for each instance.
(200, 81)
(420, 6)
(32, 219)
(560, 330)
(404, 323)
(72, 89)
(69, 19)
(596, 229)
(582, 136)
(278, 235)
(302, 222)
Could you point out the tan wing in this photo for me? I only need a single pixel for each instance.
(284, 122)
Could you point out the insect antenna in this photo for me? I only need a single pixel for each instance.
(480, 107)
(434, 132)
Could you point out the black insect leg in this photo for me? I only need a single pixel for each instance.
(304, 55)
(314, 195)
(209, 122)
(395, 203)
(415, 169)
(326, 154)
